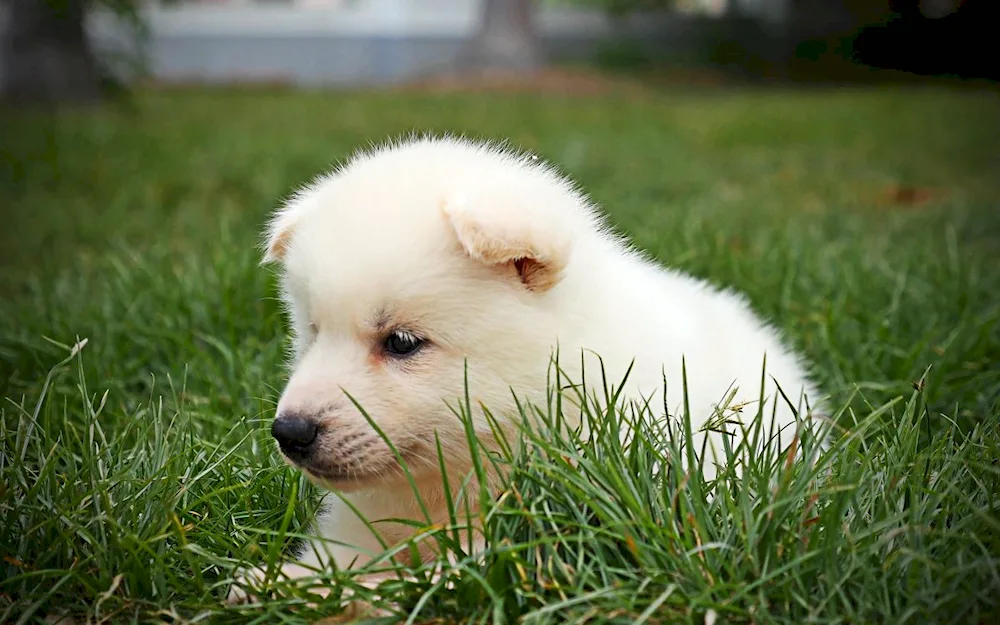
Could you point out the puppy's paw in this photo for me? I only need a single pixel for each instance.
(355, 608)
(245, 583)
(249, 586)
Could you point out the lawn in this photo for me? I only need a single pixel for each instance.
(137, 472)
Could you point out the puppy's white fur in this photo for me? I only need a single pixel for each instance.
(496, 260)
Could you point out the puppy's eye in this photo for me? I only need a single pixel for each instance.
(313, 328)
(401, 344)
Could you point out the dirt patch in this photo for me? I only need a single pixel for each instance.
(547, 81)
(900, 195)
(562, 81)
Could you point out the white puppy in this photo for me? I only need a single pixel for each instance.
(421, 256)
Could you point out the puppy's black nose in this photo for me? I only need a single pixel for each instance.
(295, 434)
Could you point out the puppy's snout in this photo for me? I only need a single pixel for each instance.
(295, 434)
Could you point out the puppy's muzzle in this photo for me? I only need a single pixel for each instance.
(296, 435)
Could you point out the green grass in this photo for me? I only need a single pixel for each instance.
(136, 476)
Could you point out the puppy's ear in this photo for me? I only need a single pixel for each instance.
(531, 246)
(279, 234)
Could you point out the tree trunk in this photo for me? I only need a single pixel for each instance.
(506, 39)
(48, 59)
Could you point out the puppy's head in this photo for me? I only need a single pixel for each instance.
(397, 270)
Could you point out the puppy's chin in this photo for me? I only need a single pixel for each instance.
(345, 483)
(373, 473)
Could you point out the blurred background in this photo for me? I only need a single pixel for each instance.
(61, 50)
